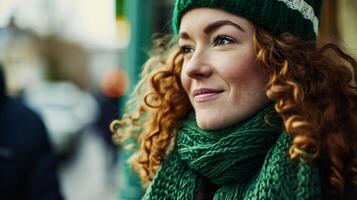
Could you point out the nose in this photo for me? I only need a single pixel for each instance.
(198, 66)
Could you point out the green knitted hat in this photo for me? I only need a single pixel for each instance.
(298, 17)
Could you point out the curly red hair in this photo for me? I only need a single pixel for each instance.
(316, 95)
(314, 90)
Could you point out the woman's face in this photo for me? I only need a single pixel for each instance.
(220, 73)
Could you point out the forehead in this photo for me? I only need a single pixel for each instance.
(199, 17)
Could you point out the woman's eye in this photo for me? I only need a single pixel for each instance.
(223, 40)
(186, 49)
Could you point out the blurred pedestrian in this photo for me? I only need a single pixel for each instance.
(28, 166)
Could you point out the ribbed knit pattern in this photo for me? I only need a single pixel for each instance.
(273, 15)
(247, 161)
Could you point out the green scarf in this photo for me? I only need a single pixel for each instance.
(247, 161)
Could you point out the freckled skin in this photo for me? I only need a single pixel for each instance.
(223, 59)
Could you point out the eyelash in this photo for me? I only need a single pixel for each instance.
(229, 40)
(186, 49)
(219, 38)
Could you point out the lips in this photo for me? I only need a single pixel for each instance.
(206, 94)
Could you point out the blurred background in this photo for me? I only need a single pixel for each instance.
(75, 61)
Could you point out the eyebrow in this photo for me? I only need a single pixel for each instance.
(184, 35)
(212, 27)
(215, 25)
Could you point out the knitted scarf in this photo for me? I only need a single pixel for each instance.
(247, 161)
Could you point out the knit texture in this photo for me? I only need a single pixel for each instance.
(247, 161)
(276, 16)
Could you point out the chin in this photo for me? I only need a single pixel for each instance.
(211, 125)
(208, 128)
(217, 121)
(205, 127)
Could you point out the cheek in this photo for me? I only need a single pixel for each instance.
(185, 82)
(242, 69)
(247, 80)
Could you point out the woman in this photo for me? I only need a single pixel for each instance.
(245, 107)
